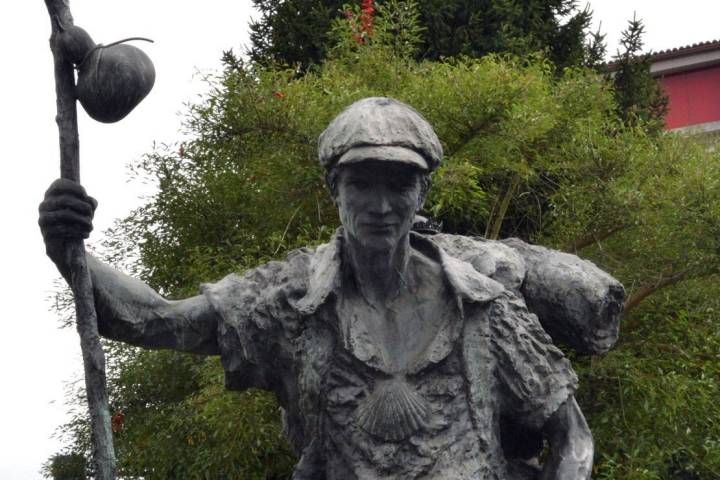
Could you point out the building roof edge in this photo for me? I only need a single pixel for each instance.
(685, 58)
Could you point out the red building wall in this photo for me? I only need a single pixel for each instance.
(694, 97)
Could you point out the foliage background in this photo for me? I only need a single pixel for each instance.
(531, 151)
(296, 33)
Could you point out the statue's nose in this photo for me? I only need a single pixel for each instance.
(381, 204)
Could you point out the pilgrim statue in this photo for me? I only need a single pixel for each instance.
(394, 353)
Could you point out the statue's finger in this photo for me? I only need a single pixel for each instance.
(93, 202)
(52, 220)
(64, 186)
(68, 231)
(65, 201)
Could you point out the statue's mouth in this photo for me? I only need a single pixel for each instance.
(379, 227)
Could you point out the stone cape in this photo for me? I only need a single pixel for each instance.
(279, 331)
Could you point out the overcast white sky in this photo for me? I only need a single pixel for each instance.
(36, 358)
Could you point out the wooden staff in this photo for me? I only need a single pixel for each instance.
(92, 353)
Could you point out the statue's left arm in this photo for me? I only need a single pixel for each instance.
(571, 444)
(537, 388)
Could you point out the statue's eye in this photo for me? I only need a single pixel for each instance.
(400, 186)
(357, 183)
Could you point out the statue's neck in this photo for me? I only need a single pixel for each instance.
(379, 273)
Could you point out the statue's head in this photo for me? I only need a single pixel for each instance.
(378, 155)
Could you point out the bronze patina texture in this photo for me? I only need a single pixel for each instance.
(394, 354)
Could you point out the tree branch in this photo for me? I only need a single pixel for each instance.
(496, 221)
(595, 237)
(643, 292)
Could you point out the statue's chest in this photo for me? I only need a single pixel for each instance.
(415, 422)
(389, 352)
(398, 425)
(404, 335)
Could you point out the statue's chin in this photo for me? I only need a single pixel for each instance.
(379, 243)
(376, 239)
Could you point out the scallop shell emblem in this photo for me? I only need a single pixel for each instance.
(393, 411)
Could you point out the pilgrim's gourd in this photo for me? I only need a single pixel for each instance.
(112, 79)
(76, 43)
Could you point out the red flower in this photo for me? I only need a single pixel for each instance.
(117, 421)
(362, 26)
(279, 95)
(366, 18)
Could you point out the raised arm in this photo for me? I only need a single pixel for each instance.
(130, 311)
(127, 309)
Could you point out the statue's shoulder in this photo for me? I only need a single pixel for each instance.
(271, 283)
(492, 258)
(265, 301)
(295, 267)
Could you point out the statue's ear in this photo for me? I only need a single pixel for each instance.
(424, 189)
(421, 203)
(331, 176)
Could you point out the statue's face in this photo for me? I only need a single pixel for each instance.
(378, 200)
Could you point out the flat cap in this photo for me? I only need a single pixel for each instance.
(380, 128)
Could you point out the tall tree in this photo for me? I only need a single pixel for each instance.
(639, 96)
(292, 32)
(476, 28)
(295, 32)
